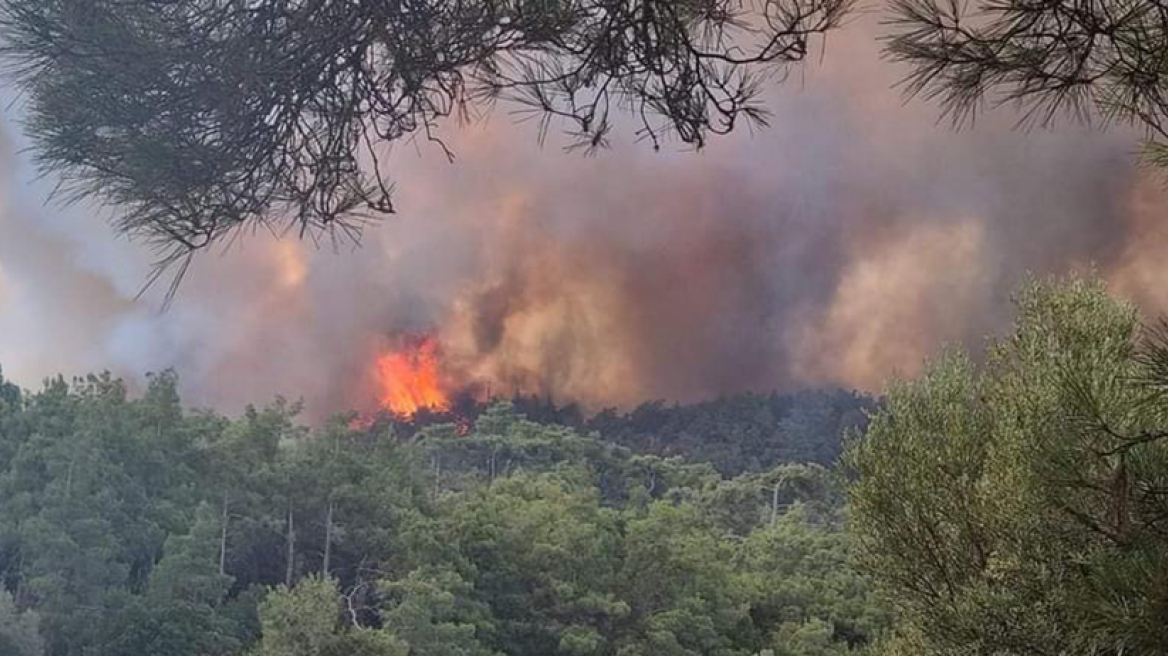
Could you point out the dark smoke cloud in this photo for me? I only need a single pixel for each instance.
(841, 245)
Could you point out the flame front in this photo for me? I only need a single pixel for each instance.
(408, 379)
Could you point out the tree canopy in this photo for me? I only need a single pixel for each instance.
(1014, 504)
(1104, 57)
(198, 118)
(131, 526)
(1019, 507)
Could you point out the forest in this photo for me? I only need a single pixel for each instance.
(1006, 497)
(131, 526)
(1007, 502)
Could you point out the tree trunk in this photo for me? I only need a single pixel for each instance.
(69, 476)
(19, 596)
(775, 504)
(291, 548)
(1121, 491)
(223, 519)
(328, 538)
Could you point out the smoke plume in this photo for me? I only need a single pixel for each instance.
(840, 246)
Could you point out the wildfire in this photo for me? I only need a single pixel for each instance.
(408, 379)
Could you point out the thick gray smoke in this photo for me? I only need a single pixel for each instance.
(841, 245)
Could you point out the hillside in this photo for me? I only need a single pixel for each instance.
(131, 526)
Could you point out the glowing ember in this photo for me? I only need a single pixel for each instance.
(408, 380)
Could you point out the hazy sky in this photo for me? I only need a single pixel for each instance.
(841, 245)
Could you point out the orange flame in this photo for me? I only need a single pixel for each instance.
(408, 380)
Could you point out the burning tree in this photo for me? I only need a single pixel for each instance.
(409, 380)
(201, 117)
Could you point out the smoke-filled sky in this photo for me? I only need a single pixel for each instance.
(842, 245)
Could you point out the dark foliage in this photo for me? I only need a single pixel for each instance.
(1104, 57)
(198, 118)
(131, 526)
(745, 433)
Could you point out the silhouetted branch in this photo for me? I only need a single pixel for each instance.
(197, 118)
(1050, 56)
